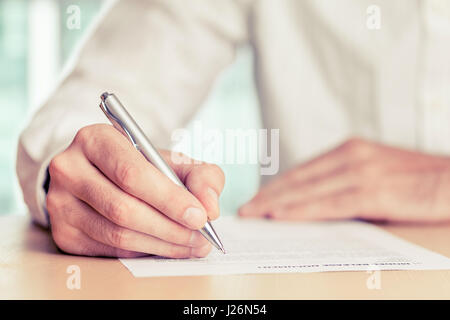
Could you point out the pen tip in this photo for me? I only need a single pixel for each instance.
(223, 250)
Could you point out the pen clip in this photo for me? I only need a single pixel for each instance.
(117, 123)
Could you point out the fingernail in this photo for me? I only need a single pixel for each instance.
(197, 239)
(202, 251)
(194, 218)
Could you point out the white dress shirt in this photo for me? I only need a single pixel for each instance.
(322, 73)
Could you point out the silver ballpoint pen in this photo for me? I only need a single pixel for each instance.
(122, 121)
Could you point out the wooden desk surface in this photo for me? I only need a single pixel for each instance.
(32, 268)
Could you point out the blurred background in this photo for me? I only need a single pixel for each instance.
(35, 48)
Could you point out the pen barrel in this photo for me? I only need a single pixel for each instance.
(124, 122)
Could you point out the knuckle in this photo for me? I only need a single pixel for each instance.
(89, 135)
(89, 138)
(83, 135)
(61, 209)
(117, 237)
(52, 202)
(57, 167)
(89, 190)
(118, 212)
(126, 175)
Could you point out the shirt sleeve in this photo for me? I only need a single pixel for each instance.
(160, 58)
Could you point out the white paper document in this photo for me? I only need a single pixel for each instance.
(265, 246)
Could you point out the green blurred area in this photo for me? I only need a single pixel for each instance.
(232, 103)
(14, 97)
(13, 94)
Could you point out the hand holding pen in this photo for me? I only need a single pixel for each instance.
(106, 199)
